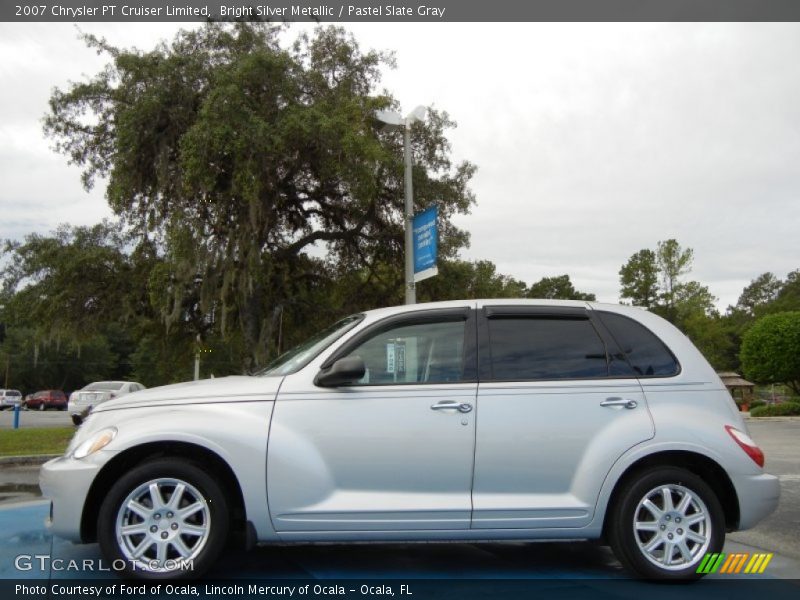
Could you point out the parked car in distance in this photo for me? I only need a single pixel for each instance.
(10, 398)
(46, 399)
(597, 421)
(85, 399)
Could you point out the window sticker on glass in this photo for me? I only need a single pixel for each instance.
(400, 355)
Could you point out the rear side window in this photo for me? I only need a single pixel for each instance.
(647, 354)
(531, 348)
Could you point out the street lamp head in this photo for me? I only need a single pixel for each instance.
(393, 120)
(390, 119)
(418, 114)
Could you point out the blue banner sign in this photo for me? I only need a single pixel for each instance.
(425, 230)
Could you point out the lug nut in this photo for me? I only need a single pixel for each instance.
(153, 529)
(169, 515)
(667, 518)
(669, 535)
(174, 526)
(680, 531)
(157, 516)
(165, 535)
(663, 527)
(677, 519)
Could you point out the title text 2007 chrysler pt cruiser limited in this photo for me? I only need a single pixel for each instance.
(472, 420)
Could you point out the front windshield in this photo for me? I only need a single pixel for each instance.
(302, 354)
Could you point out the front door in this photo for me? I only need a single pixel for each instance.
(394, 452)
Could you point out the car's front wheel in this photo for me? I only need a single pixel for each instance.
(165, 519)
(664, 522)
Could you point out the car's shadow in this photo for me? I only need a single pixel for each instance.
(506, 560)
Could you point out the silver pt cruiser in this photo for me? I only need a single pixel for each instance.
(472, 420)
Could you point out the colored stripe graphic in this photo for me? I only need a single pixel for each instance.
(710, 563)
(758, 563)
(734, 563)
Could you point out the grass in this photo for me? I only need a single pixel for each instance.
(25, 442)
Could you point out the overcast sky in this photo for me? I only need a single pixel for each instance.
(592, 141)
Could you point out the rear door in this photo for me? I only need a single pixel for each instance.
(557, 406)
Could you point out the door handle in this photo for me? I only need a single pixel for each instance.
(617, 401)
(463, 407)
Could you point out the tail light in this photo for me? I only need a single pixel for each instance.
(747, 444)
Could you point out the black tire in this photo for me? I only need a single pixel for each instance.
(199, 488)
(630, 544)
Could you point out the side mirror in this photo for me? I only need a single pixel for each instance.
(345, 370)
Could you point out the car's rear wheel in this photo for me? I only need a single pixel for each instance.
(664, 522)
(165, 519)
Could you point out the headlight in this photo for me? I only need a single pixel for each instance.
(99, 440)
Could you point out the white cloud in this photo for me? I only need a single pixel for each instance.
(592, 140)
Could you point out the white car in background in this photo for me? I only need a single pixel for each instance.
(10, 399)
(83, 400)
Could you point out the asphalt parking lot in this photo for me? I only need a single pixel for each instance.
(35, 418)
(572, 564)
(780, 532)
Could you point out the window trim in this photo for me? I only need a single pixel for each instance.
(534, 312)
(434, 315)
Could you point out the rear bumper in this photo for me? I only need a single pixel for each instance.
(758, 498)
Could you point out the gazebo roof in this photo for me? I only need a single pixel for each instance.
(731, 379)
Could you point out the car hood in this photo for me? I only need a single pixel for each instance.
(223, 389)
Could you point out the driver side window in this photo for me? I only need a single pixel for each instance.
(414, 353)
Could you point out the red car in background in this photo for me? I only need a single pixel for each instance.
(47, 399)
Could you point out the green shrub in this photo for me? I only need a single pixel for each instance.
(777, 410)
(770, 350)
(756, 404)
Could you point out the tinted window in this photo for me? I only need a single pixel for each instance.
(648, 355)
(544, 348)
(418, 353)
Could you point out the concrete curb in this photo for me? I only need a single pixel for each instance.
(785, 418)
(14, 461)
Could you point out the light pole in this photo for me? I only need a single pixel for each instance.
(393, 120)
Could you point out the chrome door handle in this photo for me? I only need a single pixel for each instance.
(616, 401)
(463, 407)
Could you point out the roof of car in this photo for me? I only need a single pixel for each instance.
(479, 303)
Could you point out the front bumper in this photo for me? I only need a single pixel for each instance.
(758, 498)
(65, 482)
